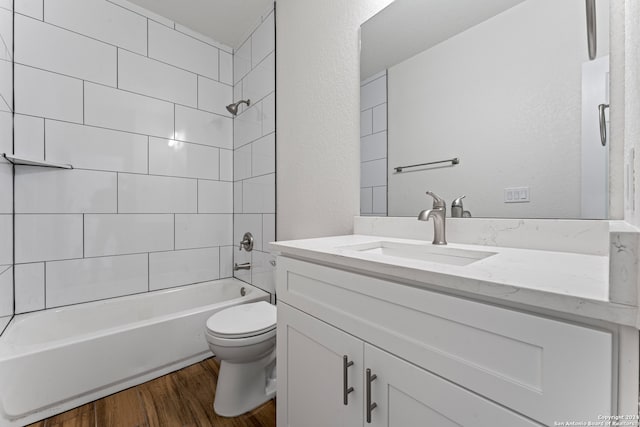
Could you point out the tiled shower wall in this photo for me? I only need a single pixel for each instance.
(254, 153)
(373, 145)
(6, 170)
(136, 104)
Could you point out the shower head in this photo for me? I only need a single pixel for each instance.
(233, 108)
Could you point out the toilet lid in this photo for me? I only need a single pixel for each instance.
(243, 320)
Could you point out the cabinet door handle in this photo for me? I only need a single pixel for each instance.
(345, 379)
(370, 406)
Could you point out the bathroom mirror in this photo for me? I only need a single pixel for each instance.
(506, 87)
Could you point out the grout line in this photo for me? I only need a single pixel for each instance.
(45, 284)
(42, 2)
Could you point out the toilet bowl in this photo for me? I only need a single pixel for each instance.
(243, 337)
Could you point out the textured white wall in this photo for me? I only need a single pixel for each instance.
(318, 112)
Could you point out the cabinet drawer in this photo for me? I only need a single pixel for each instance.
(545, 369)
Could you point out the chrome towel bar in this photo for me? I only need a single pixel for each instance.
(453, 161)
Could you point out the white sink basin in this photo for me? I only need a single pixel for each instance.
(426, 252)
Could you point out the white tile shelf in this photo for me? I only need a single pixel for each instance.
(21, 161)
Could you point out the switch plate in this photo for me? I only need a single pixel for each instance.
(516, 195)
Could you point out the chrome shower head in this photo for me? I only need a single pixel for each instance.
(233, 108)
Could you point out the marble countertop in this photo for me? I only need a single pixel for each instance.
(546, 281)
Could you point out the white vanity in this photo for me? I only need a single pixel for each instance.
(379, 329)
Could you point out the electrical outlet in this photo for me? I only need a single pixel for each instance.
(516, 195)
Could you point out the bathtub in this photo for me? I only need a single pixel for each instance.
(57, 359)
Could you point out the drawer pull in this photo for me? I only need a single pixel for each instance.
(370, 406)
(345, 380)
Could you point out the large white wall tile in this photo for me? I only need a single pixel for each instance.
(203, 230)
(373, 146)
(6, 291)
(183, 51)
(242, 163)
(268, 230)
(263, 40)
(153, 78)
(237, 197)
(259, 194)
(373, 173)
(214, 96)
(29, 288)
(177, 158)
(101, 20)
(242, 61)
(215, 197)
(6, 4)
(33, 8)
(366, 122)
(248, 126)
(48, 237)
(260, 82)
(263, 155)
(44, 94)
(45, 46)
(127, 233)
(6, 189)
(263, 272)
(226, 261)
(269, 114)
(226, 165)
(120, 110)
(226, 68)
(6, 90)
(248, 222)
(202, 127)
(156, 194)
(366, 200)
(373, 93)
(380, 200)
(6, 242)
(6, 34)
(6, 132)
(47, 190)
(379, 118)
(96, 148)
(177, 268)
(29, 136)
(81, 280)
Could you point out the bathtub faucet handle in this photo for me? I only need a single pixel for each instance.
(246, 242)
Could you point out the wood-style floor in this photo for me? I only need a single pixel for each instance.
(182, 398)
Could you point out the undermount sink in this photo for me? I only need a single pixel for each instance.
(426, 252)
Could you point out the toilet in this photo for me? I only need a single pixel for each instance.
(243, 337)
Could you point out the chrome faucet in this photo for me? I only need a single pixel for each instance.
(439, 213)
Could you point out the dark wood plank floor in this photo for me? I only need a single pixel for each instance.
(182, 398)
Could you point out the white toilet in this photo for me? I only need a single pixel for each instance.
(243, 337)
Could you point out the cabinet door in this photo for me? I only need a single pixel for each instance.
(407, 396)
(311, 373)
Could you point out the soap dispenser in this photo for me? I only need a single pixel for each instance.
(457, 210)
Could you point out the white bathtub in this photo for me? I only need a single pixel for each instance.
(57, 359)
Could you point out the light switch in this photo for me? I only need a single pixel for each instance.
(516, 195)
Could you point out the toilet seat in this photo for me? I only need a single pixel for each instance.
(243, 321)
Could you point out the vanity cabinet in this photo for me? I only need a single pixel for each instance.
(329, 374)
(438, 359)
